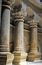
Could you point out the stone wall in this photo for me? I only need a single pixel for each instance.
(40, 43)
(26, 40)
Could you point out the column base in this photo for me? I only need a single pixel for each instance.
(33, 56)
(19, 57)
(6, 59)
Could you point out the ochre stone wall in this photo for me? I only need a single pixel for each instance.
(26, 40)
(40, 43)
(11, 38)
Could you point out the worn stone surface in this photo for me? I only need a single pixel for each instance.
(40, 43)
(6, 59)
(33, 54)
(19, 52)
(26, 40)
(0, 18)
(5, 32)
(12, 33)
(5, 56)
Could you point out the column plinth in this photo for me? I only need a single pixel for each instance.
(19, 53)
(33, 54)
(6, 57)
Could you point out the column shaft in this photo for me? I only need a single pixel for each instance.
(19, 42)
(0, 17)
(5, 31)
(33, 54)
(34, 39)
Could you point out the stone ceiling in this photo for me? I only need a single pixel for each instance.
(32, 7)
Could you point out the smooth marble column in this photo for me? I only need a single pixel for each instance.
(5, 56)
(33, 54)
(19, 53)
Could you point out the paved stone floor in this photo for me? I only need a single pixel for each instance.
(31, 63)
(34, 63)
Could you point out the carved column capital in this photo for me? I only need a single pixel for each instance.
(33, 24)
(19, 17)
(7, 3)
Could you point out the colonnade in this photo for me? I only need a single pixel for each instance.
(19, 54)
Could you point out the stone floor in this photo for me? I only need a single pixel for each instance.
(31, 63)
(34, 63)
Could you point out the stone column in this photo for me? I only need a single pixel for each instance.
(33, 54)
(0, 11)
(19, 54)
(0, 17)
(5, 56)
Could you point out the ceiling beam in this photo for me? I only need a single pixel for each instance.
(34, 5)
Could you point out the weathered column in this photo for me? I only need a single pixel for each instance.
(5, 56)
(19, 53)
(0, 11)
(33, 54)
(0, 18)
